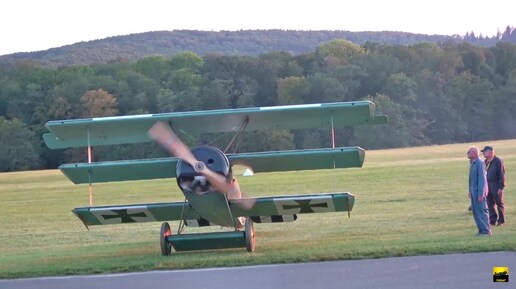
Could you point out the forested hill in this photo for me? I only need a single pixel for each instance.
(245, 42)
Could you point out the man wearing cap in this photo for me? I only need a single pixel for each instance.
(496, 184)
(478, 191)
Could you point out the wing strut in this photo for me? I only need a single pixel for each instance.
(230, 212)
(236, 139)
(182, 222)
(332, 133)
(333, 146)
(90, 187)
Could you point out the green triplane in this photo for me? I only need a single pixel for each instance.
(204, 174)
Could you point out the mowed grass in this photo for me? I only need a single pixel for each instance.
(408, 202)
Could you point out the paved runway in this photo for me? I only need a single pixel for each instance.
(441, 271)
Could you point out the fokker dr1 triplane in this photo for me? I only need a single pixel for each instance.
(205, 173)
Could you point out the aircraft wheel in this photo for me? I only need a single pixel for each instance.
(166, 246)
(250, 238)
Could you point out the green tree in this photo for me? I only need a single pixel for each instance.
(216, 94)
(17, 150)
(401, 88)
(154, 67)
(269, 140)
(478, 109)
(283, 63)
(473, 57)
(337, 52)
(505, 55)
(60, 109)
(350, 77)
(137, 92)
(324, 88)
(292, 90)
(377, 67)
(243, 93)
(97, 103)
(394, 134)
(186, 60)
(503, 104)
(308, 138)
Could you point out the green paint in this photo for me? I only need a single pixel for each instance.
(115, 171)
(133, 129)
(343, 203)
(213, 209)
(145, 169)
(297, 160)
(268, 206)
(208, 241)
(158, 212)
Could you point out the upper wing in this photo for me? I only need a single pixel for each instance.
(120, 214)
(133, 128)
(126, 170)
(293, 205)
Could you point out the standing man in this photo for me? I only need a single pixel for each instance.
(496, 183)
(478, 191)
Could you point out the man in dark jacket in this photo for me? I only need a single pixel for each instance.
(496, 184)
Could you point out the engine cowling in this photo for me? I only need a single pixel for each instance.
(212, 157)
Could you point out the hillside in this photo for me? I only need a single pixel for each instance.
(245, 42)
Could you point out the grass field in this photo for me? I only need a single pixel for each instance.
(408, 202)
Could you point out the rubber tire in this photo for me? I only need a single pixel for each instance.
(166, 246)
(250, 238)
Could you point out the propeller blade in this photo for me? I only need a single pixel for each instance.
(242, 201)
(165, 136)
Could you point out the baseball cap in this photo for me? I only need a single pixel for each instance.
(487, 148)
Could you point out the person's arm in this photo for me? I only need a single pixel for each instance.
(502, 175)
(482, 181)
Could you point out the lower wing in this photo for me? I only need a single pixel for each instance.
(138, 213)
(293, 205)
(265, 210)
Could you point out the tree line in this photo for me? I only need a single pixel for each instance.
(433, 93)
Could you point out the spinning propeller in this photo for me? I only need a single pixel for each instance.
(165, 136)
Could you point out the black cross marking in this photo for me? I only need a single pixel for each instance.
(305, 206)
(124, 216)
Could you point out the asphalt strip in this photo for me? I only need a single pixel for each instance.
(472, 270)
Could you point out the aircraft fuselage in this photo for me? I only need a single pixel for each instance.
(201, 196)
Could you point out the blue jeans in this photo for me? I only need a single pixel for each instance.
(481, 215)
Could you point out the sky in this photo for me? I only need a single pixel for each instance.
(32, 25)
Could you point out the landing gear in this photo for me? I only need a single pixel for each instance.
(166, 246)
(250, 239)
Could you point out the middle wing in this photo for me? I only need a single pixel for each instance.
(127, 170)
